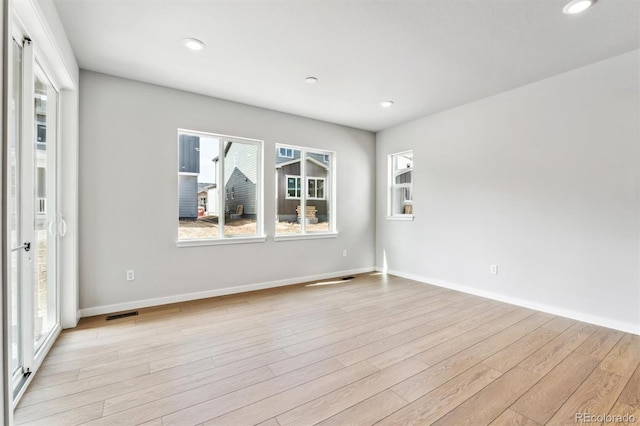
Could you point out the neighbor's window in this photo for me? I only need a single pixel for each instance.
(219, 186)
(305, 194)
(285, 152)
(401, 185)
(293, 187)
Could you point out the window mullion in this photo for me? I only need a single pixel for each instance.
(303, 191)
(221, 193)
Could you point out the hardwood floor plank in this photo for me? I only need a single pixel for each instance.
(40, 382)
(624, 357)
(512, 418)
(560, 324)
(341, 399)
(545, 398)
(71, 417)
(368, 411)
(154, 422)
(444, 350)
(507, 358)
(596, 396)
(181, 384)
(444, 398)
(58, 405)
(351, 344)
(600, 342)
(256, 410)
(61, 390)
(631, 393)
(546, 358)
(195, 405)
(383, 345)
(622, 414)
(417, 346)
(486, 405)
(142, 412)
(270, 422)
(434, 376)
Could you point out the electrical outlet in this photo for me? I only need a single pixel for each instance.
(131, 275)
(344, 253)
(494, 269)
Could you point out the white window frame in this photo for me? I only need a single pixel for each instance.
(223, 196)
(288, 152)
(392, 173)
(331, 199)
(324, 192)
(298, 188)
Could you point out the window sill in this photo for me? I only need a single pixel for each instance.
(401, 217)
(220, 241)
(293, 237)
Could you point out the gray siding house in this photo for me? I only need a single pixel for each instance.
(188, 170)
(289, 184)
(240, 177)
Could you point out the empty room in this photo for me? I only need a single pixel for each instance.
(307, 212)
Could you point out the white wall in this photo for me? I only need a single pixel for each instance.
(129, 193)
(543, 181)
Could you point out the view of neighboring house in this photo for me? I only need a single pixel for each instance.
(240, 177)
(188, 171)
(203, 192)
(289, 184)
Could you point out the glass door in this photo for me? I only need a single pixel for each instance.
(45, 101)
(14, 212)
(32, 212)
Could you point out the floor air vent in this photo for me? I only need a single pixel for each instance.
(347, 278)
(122, 315)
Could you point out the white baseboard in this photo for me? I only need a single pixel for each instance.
(567, 313)
(138, 304)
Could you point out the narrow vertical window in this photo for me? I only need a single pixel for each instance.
(400, 204)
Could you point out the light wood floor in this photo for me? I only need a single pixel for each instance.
(374, 350)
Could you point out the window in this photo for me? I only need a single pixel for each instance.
(285, 152)
(315, 188)
(229, 170)
(305, 200)
(293, 187)
(401, 185)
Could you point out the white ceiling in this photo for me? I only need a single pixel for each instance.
(425, 55)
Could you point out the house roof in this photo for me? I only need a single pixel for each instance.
(311, 159)
(426, 55)
(203, 186)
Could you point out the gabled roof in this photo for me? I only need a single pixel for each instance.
(313, 160)
(203, 186)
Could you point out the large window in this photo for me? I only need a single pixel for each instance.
(305, 192)
(219, 187)
(401, 185)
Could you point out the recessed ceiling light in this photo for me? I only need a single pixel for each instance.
(386, 104)
(193, 44)
(577, 6)
(311, 80)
